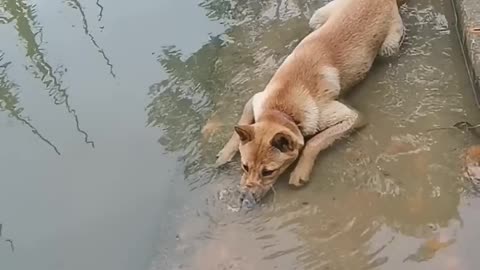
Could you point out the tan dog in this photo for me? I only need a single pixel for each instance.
(301, 100)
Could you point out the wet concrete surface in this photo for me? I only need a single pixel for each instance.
(468, 19)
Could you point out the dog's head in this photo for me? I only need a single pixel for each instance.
(267, 149)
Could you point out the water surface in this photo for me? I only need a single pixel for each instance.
(111, 113)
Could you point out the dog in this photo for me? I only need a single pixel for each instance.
(302, 98)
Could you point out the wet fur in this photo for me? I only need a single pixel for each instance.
(301, 99)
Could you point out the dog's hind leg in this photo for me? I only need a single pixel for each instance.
(230, 149)
(395, 36)
(322, 14)
(338, 120)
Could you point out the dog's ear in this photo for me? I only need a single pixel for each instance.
(283, 142)
(245, 132)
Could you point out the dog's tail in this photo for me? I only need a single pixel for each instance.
(401, 2)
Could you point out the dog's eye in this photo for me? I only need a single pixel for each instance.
(267, 172)
(245, 167)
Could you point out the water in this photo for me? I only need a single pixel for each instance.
(111, 113)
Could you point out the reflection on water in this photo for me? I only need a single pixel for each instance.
(375, 197)
(30, 34)
(76, 5)
(9, 102)
(100, 11)
(9, 241)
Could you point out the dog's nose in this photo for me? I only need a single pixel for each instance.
(252, 184)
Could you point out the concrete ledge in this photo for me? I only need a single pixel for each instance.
(468, 24)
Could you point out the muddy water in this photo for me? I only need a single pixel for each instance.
(111, 113)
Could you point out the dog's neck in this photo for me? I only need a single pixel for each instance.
(281, 118)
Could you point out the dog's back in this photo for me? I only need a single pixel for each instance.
(349, 41)
(354, 36)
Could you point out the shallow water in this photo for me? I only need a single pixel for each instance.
(111, 113)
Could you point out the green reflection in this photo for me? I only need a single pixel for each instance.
(9, 102)
(31, 34)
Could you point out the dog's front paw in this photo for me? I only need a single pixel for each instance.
(225, 156)
(393, 42)
(301, 174)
